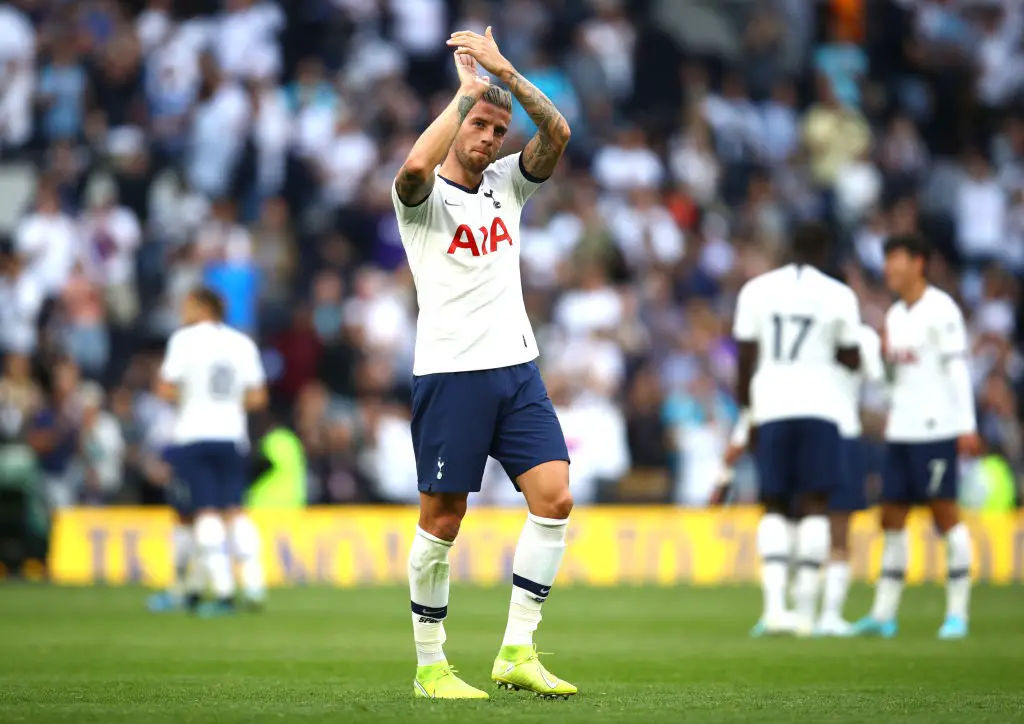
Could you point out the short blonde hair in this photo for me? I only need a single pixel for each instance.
(498, 96)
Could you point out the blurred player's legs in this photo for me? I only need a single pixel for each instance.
(173, 597)
(774, 546)
(212, 549)
(795, 458)
(848, 497)
(920, 472)
(215, 474)
(246, 550)
(837, 579)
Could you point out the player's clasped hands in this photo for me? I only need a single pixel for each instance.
(481, 47)
(470, 81)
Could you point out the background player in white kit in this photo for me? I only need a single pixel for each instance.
(792, 326)
(850, 495)
(845, 498)
(931, 420)
(214, 375)
(476, 389)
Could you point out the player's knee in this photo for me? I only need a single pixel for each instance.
(814, 504)
(444, 525)
(893, 517)
(774, 507)
(946, 515)
(557, 506)
(839, 528)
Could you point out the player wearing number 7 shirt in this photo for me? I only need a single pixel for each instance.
(792, 326)
(931, 420)
(476, 389)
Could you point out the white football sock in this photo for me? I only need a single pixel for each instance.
(774, 545)
(211, 542)
(245, 544)
(958, 581)
(182, 539)
(890, 582)
(837, 586)
(429, 575)
(812, 546)
(534, 567)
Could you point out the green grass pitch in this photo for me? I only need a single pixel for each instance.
(637, 654)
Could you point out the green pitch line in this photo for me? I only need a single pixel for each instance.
(637, 654)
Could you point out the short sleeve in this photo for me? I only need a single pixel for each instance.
(252, 367)
(745, 326)
(950, 331)
(522, 183)
(849, 332)
(173, 368)
(410, 214)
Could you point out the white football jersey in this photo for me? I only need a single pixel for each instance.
(798, 317)
(212, 366)
(463, 250)
(919, 341)
(850, 382)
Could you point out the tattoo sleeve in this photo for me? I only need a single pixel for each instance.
(416, 178)
(466, 104)
(543, 151)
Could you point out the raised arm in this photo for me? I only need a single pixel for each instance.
(543, 151)
(416, 177)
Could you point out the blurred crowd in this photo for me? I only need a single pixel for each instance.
(250, 145)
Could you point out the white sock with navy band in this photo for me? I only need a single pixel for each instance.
(534, 567)
(211, 540)
(889, 588)
(245, 544)
(182, 557)
(812, 546)
(429, 575)
(774, 546)
(958, 581)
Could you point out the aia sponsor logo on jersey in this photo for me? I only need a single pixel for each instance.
(906, 356)
(485, 241)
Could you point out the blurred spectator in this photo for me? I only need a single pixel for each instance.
(63, 89)
(47, 240)
(54, 434)
(110, 236)
(627, 163)
(21, 301)
(252, 147)
(980, 213)
(102, 448)
(86, 337)
(20, 397)
(219, 129)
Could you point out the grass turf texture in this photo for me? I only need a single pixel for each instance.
(637, 654)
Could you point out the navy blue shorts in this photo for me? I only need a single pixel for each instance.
(796, 457)
(850, 494)
(213, 475)
(459, 418)
(917, 472)
(176, 493)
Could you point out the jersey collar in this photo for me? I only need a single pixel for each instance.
(460, 186)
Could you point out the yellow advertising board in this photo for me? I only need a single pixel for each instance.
(350, 546)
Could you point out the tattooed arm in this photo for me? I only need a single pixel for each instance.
(547, 145)
(543, 151)
(415, 179)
